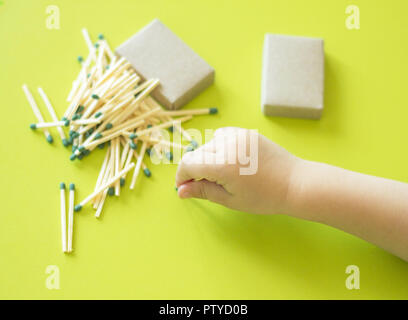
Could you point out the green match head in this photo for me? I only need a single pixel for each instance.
(175, 188)
(189, 149)
(95, 96)
(80, 156)
(107, 67)
(90, 131)
(71, 140)
(33, 126)
(109, 126)
(149, 126)
(73, 134)
(63, 119)
(169, 155)
(213, 111)
(101, 146)
(78, 207)
(98, 114)
(171, 129)
(80, 59)
(98, 136)
(149, 151)
(96, 45)
(72, 157)
(194, 143)
(100, 36)
(122, 182)
(50, 139)
(66, 123)
(147, 172)
(86, 152)
(81, 148)
(72, 186)
(62, 185)
(80, 109)
(111, 191)
(65, 142)
(133, 145)
(88, 75)
(75, 117)
(132, 136)
(74, 148)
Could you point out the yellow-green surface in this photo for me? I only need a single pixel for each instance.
(150, 244)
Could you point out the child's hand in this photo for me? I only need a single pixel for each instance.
(372, 208)
(213, 172)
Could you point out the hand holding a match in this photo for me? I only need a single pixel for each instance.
(372, 208)
(239, 169)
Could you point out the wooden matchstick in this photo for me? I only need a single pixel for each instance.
(146, 170)
(63, 218)
(117, 164)
(36, 111)
(79, 122)
(75, 86)
(138, 165)
(102, 196)
(161, 126)
(109, 51)
(53, 115)
(71, 216)
(104, 186)
(106, 174)
(103, 169)
(191, 112)
(125, 151)
(42, 125)
(101, 203)
(99, 59)
(100, 199)
(89, 43)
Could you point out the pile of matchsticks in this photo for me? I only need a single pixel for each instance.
(109, 104)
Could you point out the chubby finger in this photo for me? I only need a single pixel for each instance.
(204, 189)
(198, 165)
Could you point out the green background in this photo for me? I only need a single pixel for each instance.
(150, 244)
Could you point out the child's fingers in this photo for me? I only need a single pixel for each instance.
(198, 165)
(204, 189)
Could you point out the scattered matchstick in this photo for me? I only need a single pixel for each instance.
(104, 186)
(191, 112)
(36, 111)
(63, 218)
(71, 215)
(53, 116)
(138, 165)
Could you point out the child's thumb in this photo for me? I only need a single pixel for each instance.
(204, 189)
